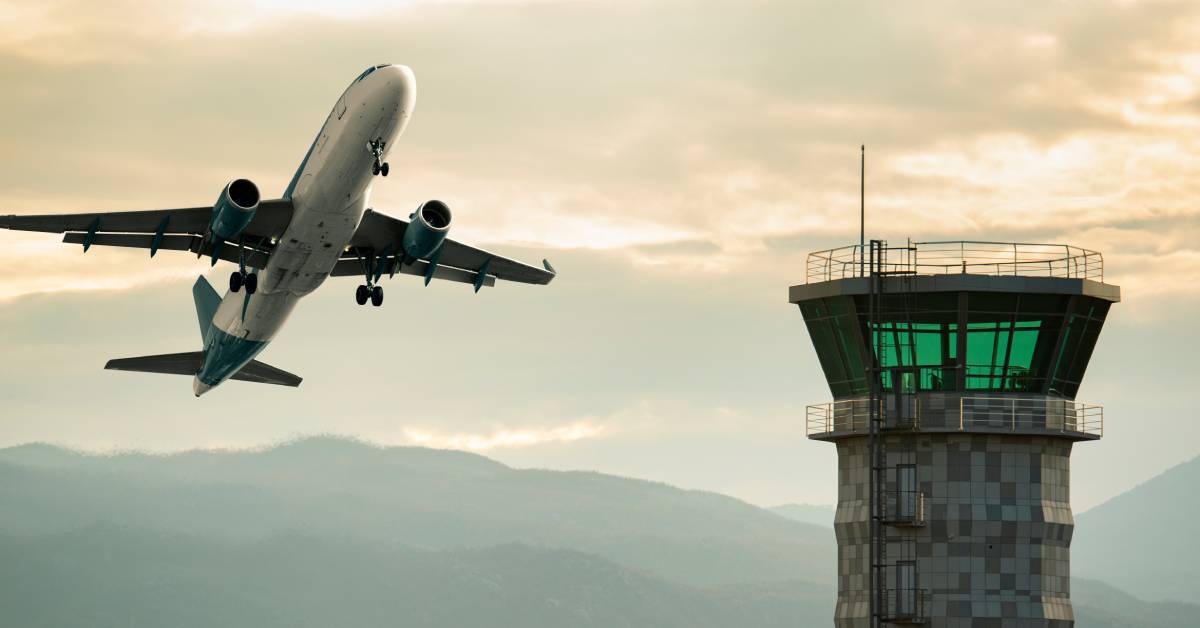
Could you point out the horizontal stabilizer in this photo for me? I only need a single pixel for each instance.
(171, 363)
(261, 373)
(189, 364)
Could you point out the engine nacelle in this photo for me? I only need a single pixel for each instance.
(234, 209)
(427, 229)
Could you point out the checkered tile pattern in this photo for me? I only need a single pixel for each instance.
(993, 550)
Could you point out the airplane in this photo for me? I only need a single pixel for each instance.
(321, 227)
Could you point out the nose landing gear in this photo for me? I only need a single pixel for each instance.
(378, 166)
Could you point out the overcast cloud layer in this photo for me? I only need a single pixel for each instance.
(675, 160)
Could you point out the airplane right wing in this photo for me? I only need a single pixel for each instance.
(378, 237)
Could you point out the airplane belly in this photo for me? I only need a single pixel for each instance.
(309, 250)
(257, 317)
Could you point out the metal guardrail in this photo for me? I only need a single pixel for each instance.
(904, 508)
(854, 415)
(1014, 414)
(962, 257)
(906, 606)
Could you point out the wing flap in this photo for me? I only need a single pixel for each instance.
(253, 258)
(353, 267)
(186, 220)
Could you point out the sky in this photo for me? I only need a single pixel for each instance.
(676, 162)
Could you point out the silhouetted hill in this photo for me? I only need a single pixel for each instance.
(411, 496)
(1144, 541)
(334, 532)
(1098, 605)
(105, 576)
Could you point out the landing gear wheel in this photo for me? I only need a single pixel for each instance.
(235, 282)
(383, 170)
(377, 296)
(362, 294)
(251, 283)
(376, 168)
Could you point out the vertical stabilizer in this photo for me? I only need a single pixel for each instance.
(207, 301)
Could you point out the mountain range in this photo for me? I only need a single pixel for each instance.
(333, 532)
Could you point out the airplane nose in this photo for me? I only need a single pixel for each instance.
(402, 85)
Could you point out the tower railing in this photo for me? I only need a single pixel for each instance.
(854, 415)
(1019, 414)
(906, 606)
(904, 508)
(975, 413)
(962, 257)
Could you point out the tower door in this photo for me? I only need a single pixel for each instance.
(906, 589)
(906, 492)
(903, 404)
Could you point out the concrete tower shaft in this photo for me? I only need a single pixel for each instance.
(954, 368)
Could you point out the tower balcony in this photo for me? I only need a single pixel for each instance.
(906, 606)
(941, 412)
(904, 508)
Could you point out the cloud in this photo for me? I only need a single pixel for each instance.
(636, 127)
(502, 438)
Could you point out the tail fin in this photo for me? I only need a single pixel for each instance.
(207, 301)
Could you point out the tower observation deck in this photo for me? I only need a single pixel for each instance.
(953, 368)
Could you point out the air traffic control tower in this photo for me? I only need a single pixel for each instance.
(953, 368)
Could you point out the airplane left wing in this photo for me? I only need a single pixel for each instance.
(375, 248)
(172, 229)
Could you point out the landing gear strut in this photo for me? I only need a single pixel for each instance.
(378, 167)
(240, 277)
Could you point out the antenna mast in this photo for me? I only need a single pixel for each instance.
(862, 208)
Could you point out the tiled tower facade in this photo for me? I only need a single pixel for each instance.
(978, 362)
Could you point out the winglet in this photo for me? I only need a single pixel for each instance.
(546, 263)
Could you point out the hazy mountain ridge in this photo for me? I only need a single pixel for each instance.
(1144, 540)
(816, 514)
(127, 577)
(418, 497)
(325, 531)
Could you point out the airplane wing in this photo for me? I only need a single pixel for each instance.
(379, 237)
(172, 229)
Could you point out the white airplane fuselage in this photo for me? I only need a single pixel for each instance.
(329, 194)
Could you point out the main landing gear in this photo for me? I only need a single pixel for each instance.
(365, 293)
(239, 279)
(378, 167)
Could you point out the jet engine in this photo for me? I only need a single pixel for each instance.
(427, 229)
(234, 209)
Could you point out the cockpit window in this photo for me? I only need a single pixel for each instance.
(370, 70)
